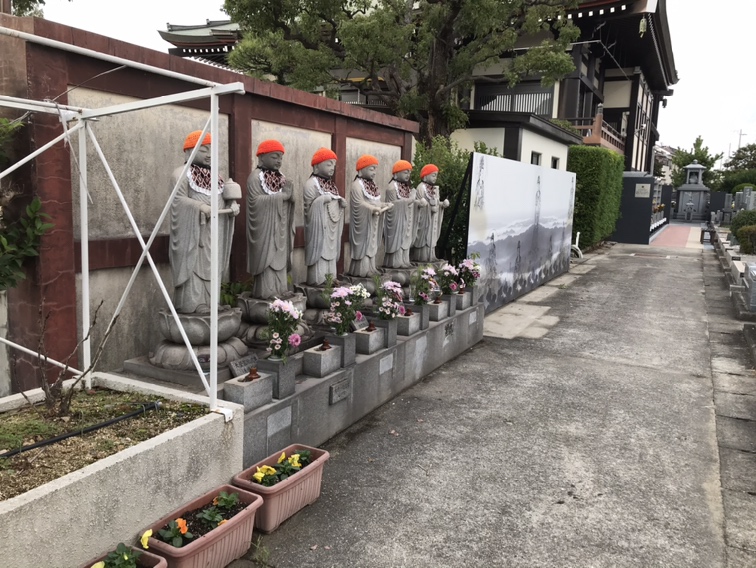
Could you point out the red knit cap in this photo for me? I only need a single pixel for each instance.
(268, 146)
(400, 166)
(322, 155)
(428, 170)
(191, 140)
(365, 161)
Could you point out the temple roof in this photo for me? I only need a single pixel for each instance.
(213, 33)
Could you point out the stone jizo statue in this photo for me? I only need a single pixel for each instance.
(429, 219)
(190, 246)
(365, 221)
(270, 223)
(400, 226)
(324, 218)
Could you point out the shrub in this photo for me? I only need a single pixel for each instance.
(742, 186)
(741, 220)
(598, 192)
(732, 179)
(747, 239)
(452, 163)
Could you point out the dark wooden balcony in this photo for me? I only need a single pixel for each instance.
(597, 132)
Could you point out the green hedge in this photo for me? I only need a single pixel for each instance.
(747, 239)
(741, 220)
(598, 192)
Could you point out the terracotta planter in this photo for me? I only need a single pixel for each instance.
(219, 547)
(284, 499)
(146, 560)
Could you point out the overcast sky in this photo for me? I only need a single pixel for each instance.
(712, 45)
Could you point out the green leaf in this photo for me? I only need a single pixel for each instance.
(177, 541)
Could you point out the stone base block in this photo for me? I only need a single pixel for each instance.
(197, 326)
(437, 312)
(369, 342)
(464, 300)
(407, 325)
(176, 357)
(317, 363)
(400, 275)
(451, 299)
(477, 292)
(315, 296)
(284, 381)
(391, 329)
(423, 311)
(348, 344)
(141, 367)
(250, 394)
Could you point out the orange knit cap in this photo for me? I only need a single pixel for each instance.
(365, 161)
(400, 166)
(268, 146)
(322, 155)
(191, 140)
(428, 170)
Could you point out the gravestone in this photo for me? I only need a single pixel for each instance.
(243, 366)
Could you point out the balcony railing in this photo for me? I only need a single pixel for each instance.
(597, 132)
(522, 98)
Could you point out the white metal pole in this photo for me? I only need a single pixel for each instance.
(45, 357)
(38, 151)
(84, 237)
(214, 246)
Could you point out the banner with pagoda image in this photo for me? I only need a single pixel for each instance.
(520, 224)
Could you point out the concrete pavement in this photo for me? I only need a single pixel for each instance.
(582, 431)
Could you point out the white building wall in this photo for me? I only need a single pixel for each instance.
(491, 137)
(617, 94)
(548, 148)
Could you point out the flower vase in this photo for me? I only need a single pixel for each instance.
(220, 546)
(145, 560)
(348, 344)
(423, 310)
(284, 499)
(464, 299)
(390, 325)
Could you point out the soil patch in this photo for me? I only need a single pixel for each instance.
(29, 425)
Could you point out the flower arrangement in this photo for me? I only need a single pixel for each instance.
(201, 521)
(268, 476)
(122, 557)
(447, 279)
(389, 300)
(469, 272)
(345, 307)
(423, 281)
(283, 319)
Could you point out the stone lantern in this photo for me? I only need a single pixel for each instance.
(693, 195)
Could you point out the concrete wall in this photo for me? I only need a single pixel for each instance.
(532, 142)
(491, 137)
(113, 500)
(309, 417)
(617, 94)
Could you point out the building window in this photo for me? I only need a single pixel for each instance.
(535, 158)
(554, 163)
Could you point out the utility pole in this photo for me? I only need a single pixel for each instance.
(740, 136)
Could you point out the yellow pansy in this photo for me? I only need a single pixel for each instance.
(258, 476)
(146, 537)
(294, 460)
(282, 458)
(267, 470)
(99, 564)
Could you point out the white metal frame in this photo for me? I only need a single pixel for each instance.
(81, 119)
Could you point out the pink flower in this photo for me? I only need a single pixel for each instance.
(358, 316)
(295, 339)
(453, 286)
(402, 311)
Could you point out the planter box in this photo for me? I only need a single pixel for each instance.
(140, 482)
(423, 311)
(220, 546)
(146, 560)
(317, 363)
(250, 394)
(464, 300)
(390, 326)
(408, 325)
(284, 499)
(437, 312)
(368, 342)
(284, 382)
(348, 344)
(451, 300)
(477, 291)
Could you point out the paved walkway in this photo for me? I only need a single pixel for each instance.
(679, 236)
(585, 430)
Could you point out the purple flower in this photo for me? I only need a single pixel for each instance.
(402, 311)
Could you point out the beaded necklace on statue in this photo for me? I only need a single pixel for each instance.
(326, 185)
(272, 181)
(431, 190)
(200, 179)
(370, 189)
(402, 189)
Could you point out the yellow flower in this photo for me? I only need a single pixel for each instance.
(282, 458)
(294, 460)
(223, 522)
(267, 470)
(99, 564)
(146, 537)
(258, 476)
